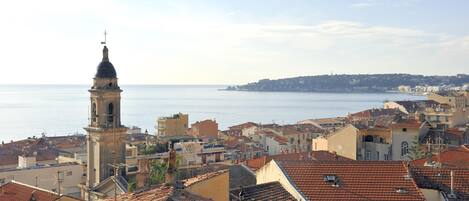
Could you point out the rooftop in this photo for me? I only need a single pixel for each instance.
(22, 192)
(203, 177)
(416, 105)
(243, 126)
(407, 123)
(375, 112)
(453, 157)
(39, 166)
(162, 192)
(352, 180)
(334, 120)
(261, 192)
(257, 163)
(440, 179)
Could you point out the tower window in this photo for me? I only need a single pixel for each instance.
(404, 148)
(110, 112)
(93, 112)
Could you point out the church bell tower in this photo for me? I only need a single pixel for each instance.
(106, 135)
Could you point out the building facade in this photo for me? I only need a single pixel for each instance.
(62, 177)
(206, 128)
(172, 125)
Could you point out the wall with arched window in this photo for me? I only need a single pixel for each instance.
(404, 148)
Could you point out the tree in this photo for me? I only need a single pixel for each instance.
(132, 185)
(156, 148)
(416, 151)
(157, 172)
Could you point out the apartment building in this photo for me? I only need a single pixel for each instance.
(172, 125)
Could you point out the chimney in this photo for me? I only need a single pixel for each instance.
(169, 176)
(407, 168)
(25, 161)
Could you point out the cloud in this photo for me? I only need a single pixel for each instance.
(361, 5)
(176, 42)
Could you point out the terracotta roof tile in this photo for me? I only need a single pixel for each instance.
(199, 178)
(257, 163)
(408, 123)
(154, 193)
(453, 157)
(243, 126)
(357, 180)
(440, 179)
(262, 192)
(16, 191)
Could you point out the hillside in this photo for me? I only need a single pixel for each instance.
(351, 83)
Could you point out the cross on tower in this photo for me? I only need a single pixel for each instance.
(105, 40)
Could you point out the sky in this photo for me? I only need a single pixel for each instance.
(229, 42)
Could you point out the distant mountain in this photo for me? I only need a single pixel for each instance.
(351, 83)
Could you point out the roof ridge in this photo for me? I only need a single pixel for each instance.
(290, 180)
(409, 170)
(33, 187)
(252, 185)
(465, 146)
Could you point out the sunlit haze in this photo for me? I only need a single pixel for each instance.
(229, 42)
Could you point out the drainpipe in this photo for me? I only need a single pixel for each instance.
(452, 182)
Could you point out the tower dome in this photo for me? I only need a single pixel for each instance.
(105, 68)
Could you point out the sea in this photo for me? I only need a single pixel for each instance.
(55, 110)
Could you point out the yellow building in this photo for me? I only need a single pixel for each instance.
(172, 125)
(454, 109)
(358, 144)
(213, 185)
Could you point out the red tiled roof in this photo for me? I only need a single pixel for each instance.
(199, 178)
(16, 191)
(262, 192)
(408, 123)
(155, 193)
(243, 126)
(370, 113)
(440, 179)
(453, 157)
(357, 180)
(303, 156)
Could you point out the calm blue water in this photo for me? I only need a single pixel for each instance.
(27, 110)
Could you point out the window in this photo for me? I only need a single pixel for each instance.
(69, 173)
(110, 112)
(386, 157)
(93, 111)
(404, 148)
(404, 129)
(368, 138)
(377, 155)
(367, 155)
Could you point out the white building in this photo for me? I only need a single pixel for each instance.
(50, 176)
(197, 153)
